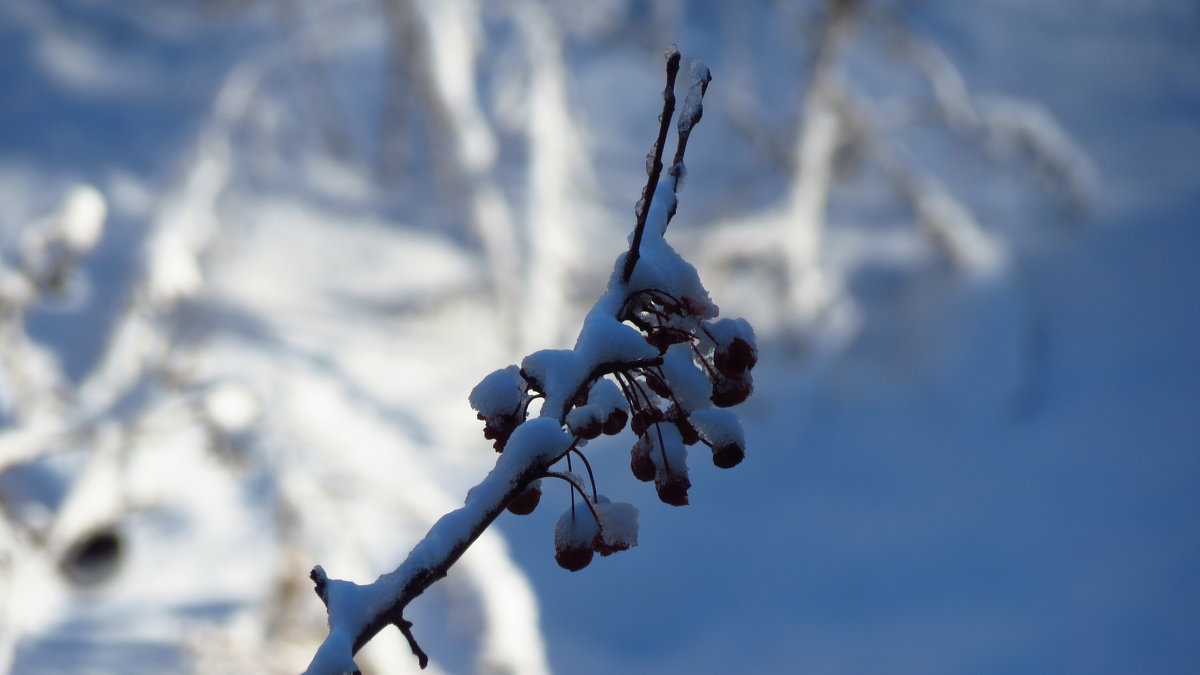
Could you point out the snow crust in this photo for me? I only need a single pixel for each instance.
(537, 440)
(659, 266)
(689, 384)
(719, 426)
(499, 393)
(575, 528)
(670, 449)
(604, 339)
(693, 103)
(584, 415)
(82, 219)
(607, 397)
(726, 330)
(618, 525)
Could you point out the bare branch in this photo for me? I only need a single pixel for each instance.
(654, 166)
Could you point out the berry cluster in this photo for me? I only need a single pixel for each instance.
(704, 363)
(651, 355)
(671, 393)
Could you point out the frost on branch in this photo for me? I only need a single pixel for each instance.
(651, 354)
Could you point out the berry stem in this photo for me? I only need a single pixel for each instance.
(555, 474)
(591, 476)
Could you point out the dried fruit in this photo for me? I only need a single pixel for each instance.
(498, 428)
(672, 488)
(573, 558)
(657, 384)
(588, 431)
(729, 392)
(665, 336)
(687, 432)
(736, 358)
(524, 503)
(573, 536)
(585, 421)
(615, 422)
(728, 456)
(700, 309)
(642, 419)
(639, 460)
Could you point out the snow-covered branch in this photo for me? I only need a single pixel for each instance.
(650, 354)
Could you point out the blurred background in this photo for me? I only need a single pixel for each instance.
(254, 254)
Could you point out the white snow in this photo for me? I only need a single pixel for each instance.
(665, 437)
(603, 339)
(693, 104)
(607, 397)
(726, 330)
(618, 524)
(659, 266)
(498, 393)
(559, 372)
(690, 385)
(584, 415)
(233, 407)
(536, 440)
(575, 527)
(719, 426)
(82, 218)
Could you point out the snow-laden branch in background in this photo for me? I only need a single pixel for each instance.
(651, 354)
(1059, 163)
(452, 35)
(51, 250)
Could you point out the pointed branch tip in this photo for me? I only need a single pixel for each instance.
(405, 627)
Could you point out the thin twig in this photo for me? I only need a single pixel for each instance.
(582, 494)
(405, 627)
(591, 476)
(654, 168)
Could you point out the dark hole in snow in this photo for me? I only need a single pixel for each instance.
(93, 559)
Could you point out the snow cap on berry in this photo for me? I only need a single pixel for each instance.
(618, 527)
(574, 533)
(499, 393)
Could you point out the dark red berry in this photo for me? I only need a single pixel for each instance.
(524, 503)
(695, 308)
(659, 339)
(731, 391)
(672, 488)
(728, 456)
(642, 419)
(580, 399)
(615, 422)
(735, 358)
(498, 428)
(663, 337)
(574, 557)
(687, 432)
(657, 384)
(639, 423)
(588, 430)
(640, 462)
